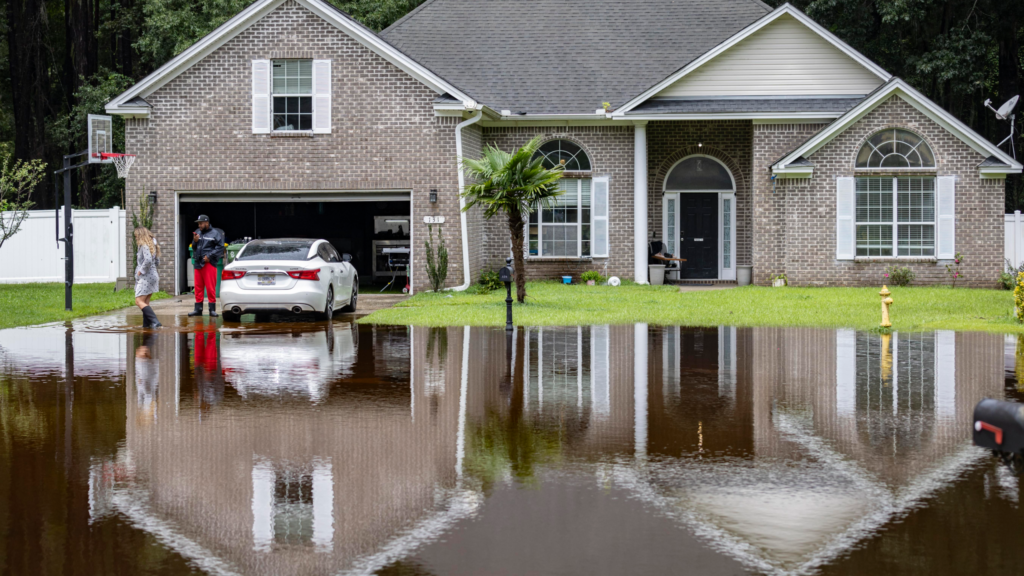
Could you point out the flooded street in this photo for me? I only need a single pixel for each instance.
(307, 448)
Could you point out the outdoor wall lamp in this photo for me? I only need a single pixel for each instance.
(433, 195)
(152, 197)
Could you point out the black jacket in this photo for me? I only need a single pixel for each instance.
(210, 243)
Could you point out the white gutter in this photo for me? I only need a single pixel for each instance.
(467, 277)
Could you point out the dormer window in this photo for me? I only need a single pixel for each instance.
(293, 94)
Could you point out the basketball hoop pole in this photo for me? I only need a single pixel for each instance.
(69, 232)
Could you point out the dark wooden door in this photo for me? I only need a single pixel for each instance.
(698, 235)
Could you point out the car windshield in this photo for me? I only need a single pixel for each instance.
(276, 250)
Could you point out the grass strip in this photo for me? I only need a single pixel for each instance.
(555, 304)
(25, 304)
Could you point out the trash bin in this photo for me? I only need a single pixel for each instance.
(231, 252)
(657, 273)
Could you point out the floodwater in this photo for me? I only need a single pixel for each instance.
(306, 448)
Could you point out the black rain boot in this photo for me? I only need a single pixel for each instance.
(154, 322)
(213, 310)
(198, 311)
(145, 318)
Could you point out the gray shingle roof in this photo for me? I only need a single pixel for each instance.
(745, 105)
(564, 56)
(992, 161)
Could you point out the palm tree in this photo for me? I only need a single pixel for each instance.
(512, 183)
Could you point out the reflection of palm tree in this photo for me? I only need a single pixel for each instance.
(505, 442)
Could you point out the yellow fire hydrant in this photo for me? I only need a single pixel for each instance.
(886, 302)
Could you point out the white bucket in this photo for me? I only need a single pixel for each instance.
(743, 275)
(657, 272)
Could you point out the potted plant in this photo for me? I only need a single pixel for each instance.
(780, 280)
(591, 277)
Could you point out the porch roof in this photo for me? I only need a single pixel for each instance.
(826, 106)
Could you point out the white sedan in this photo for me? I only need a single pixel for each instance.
(288, 275)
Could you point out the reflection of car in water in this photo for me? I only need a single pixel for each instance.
(290, 361)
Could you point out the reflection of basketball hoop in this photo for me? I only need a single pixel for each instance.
(123, 162)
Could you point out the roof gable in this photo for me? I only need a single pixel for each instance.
(253, 13)
(795, 28)
(899, 88)
(783, 58)
(564, 56)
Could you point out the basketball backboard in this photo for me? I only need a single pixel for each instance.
(101, 137)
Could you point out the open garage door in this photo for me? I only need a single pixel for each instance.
(374, 227)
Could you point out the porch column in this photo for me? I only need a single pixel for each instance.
(640, 201)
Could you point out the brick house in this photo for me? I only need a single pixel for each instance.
(692, 123)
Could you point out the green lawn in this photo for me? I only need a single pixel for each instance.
(24, 304)
(553, 304)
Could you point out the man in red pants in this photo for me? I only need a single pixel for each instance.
(207, 250)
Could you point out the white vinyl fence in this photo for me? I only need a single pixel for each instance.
(33, 254)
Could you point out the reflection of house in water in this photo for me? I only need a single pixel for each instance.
(783, 447)
(837, 433)
(272, 485)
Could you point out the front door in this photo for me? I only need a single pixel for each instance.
(698, 235)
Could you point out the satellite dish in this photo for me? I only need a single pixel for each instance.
(1005, 112)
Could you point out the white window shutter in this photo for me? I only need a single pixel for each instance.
(321, 96)
(261, 96)
(945, 218)
(599, 214)
(846, 229)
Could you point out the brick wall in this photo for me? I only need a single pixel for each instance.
(729, 141)
(385, 135)
(611, 154)
(795, 227)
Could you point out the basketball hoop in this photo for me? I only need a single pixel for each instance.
(123, 162)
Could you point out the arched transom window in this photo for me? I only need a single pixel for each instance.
(895, 148)
(699, 173)
(565, 153)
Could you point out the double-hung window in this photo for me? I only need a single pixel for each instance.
(292, 92)
(895, 216)
(562, 228)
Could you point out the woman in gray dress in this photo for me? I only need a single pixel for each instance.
(147, 281)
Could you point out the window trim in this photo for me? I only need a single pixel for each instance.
(895, 223)
(668, 173)
(579, 226)
(881, 169)
(311, 96)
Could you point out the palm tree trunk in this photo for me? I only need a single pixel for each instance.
(515, 229)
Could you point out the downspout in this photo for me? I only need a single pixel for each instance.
(462, 201)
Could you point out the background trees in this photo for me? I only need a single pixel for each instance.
(62, 59)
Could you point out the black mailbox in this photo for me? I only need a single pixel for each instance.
(999, 426)
(505, 274)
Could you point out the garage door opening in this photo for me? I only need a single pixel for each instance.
(375, 233)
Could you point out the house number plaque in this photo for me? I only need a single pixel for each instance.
(433, 219)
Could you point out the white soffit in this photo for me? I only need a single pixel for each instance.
(784, 64)
(783, 58)
(897, 87)
(246, 18)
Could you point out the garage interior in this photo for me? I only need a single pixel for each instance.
(374, 231)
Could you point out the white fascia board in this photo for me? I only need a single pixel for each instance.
(742, 34)
(774, 117)
(930, 109)
(251, 15)
(997, 172)
(794, 172)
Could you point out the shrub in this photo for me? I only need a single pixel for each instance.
(899, 275)
(490, 280)
(437, 262)
(953, 270)
(592, 275)
(1008, 279)
(1018, 296)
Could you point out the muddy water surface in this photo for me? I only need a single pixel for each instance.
(306, 448)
